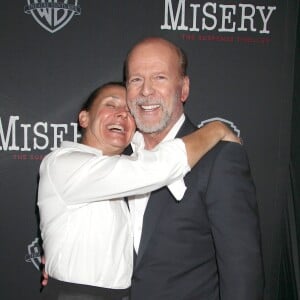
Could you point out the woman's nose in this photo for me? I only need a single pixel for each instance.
(122, 112)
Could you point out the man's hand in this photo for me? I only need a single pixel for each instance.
(44, 280)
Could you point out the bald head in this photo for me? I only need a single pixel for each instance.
(159, 43)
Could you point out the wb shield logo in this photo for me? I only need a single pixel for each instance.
(34, 253)
(229, 124)
(52, 15)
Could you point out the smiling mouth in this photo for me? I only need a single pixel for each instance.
(150, 107)
(116, 128)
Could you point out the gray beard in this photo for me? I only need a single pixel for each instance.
(153, 128)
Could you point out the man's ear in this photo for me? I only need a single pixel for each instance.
(83, 119)
(185, 89)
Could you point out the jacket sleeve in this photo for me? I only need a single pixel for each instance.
(233, 214)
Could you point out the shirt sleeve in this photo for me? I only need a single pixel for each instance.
(81, 177)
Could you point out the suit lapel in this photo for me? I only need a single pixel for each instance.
(157, 203)
(154, 209)
(186, 128)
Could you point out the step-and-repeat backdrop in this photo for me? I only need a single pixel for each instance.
(54, 53)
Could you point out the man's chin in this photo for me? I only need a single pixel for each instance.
(150, 123)
(150, 128)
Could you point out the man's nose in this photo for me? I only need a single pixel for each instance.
(147, 87)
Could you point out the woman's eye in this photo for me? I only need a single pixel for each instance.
(110, 105)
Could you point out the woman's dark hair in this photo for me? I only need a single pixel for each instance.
(92, 97)
(88, 103)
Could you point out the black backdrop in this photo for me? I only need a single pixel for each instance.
(241, 59)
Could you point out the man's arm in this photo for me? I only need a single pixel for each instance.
(233, 214)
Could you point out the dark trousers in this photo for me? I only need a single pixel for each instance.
(60, 290)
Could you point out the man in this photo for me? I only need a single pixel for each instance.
(207, 246)
(85, 222)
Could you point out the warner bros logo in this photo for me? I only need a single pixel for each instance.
(230, 124)
(52, 15)
(34, 253)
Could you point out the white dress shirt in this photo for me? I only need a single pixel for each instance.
(138, 203)
(85, 223)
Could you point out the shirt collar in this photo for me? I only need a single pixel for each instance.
(178, 187)
(174, 130)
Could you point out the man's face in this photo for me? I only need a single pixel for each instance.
(155, 88)
(108, 124)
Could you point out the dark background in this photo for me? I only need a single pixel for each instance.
(44, 77)
(289, 271)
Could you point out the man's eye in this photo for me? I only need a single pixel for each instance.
(160, 77)
(135, 80)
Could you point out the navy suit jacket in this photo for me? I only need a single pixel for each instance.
(207, 246)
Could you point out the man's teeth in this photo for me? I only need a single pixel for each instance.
(115, 127)
(150, 107)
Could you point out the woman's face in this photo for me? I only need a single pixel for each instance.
(108, 125)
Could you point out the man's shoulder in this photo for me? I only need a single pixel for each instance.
(222, 148)
(223, 157)
(225, 150)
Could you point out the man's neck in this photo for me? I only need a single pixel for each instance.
(151, 140)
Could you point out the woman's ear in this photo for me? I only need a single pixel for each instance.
(83, 119)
